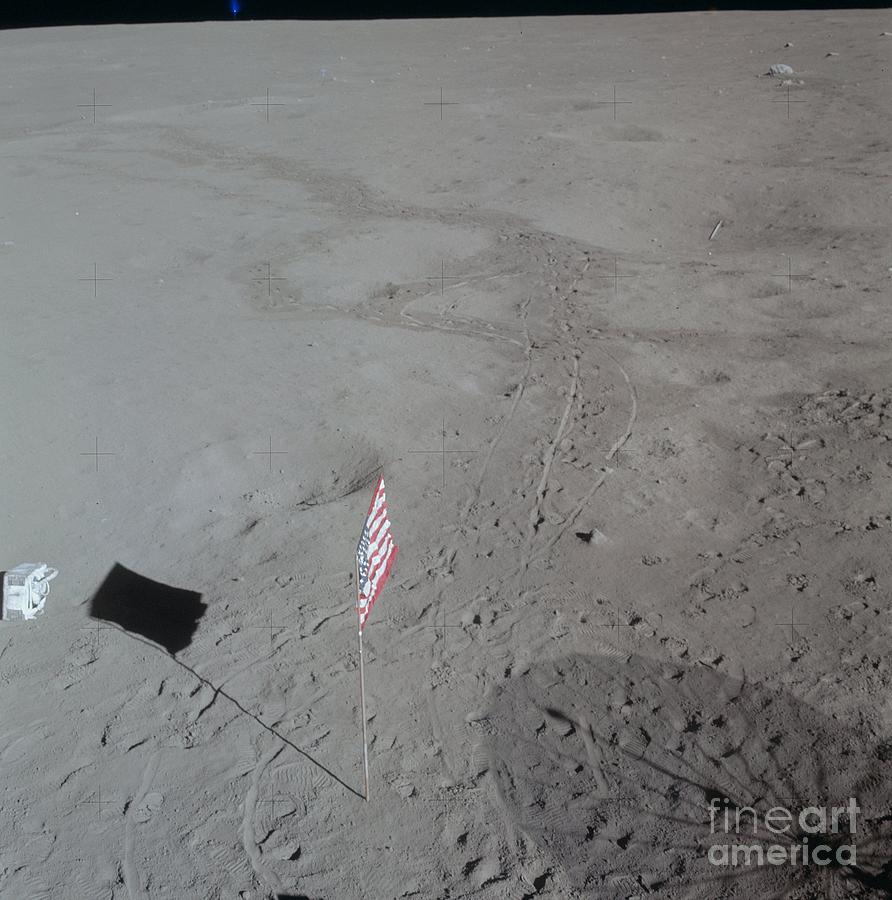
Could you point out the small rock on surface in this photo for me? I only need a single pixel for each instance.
(779, 69)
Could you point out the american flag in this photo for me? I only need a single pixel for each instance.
(375, 554)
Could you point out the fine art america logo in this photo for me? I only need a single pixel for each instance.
(779, 837)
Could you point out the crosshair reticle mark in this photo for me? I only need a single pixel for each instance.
(269, 278)
(614, 102)
(615, 276)
(793, 623)
(615, 625)
(270, 627)
(443, 626)
(98, 802)
(273, 801)
(96, 453)
(94, 105)
(440, 103)
(787, 100)
(266, 103)
(270, 453)
(94, 278)
(443, 277)
(98, 628)
(443, 451)
(789, 275)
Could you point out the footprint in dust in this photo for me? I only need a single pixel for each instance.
(151, 803)
(632, 772)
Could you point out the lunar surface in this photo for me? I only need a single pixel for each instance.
(607, 302)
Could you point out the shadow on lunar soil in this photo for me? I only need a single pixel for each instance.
(167, 615)
(610, 765)
(157, 614)
(218, 691)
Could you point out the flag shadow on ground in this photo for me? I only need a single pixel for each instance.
(166, 615)
(614, 766)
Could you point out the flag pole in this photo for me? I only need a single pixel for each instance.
(365, 746)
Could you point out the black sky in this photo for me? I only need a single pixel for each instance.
(39, 13)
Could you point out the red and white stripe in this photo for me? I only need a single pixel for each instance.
(375, 554)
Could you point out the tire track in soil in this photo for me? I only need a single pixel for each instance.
(564, 332)
(535, 517)
(518, 848)
(451, 750)
(620, 442)
(349, 196)
(253, 850)
(509, 416)
(128, 866)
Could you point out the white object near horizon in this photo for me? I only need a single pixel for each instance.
(25, 589)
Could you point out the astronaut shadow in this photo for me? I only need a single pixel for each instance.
(166, 615)
(611, 764)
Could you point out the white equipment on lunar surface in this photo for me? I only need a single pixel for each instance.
(25, 590)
